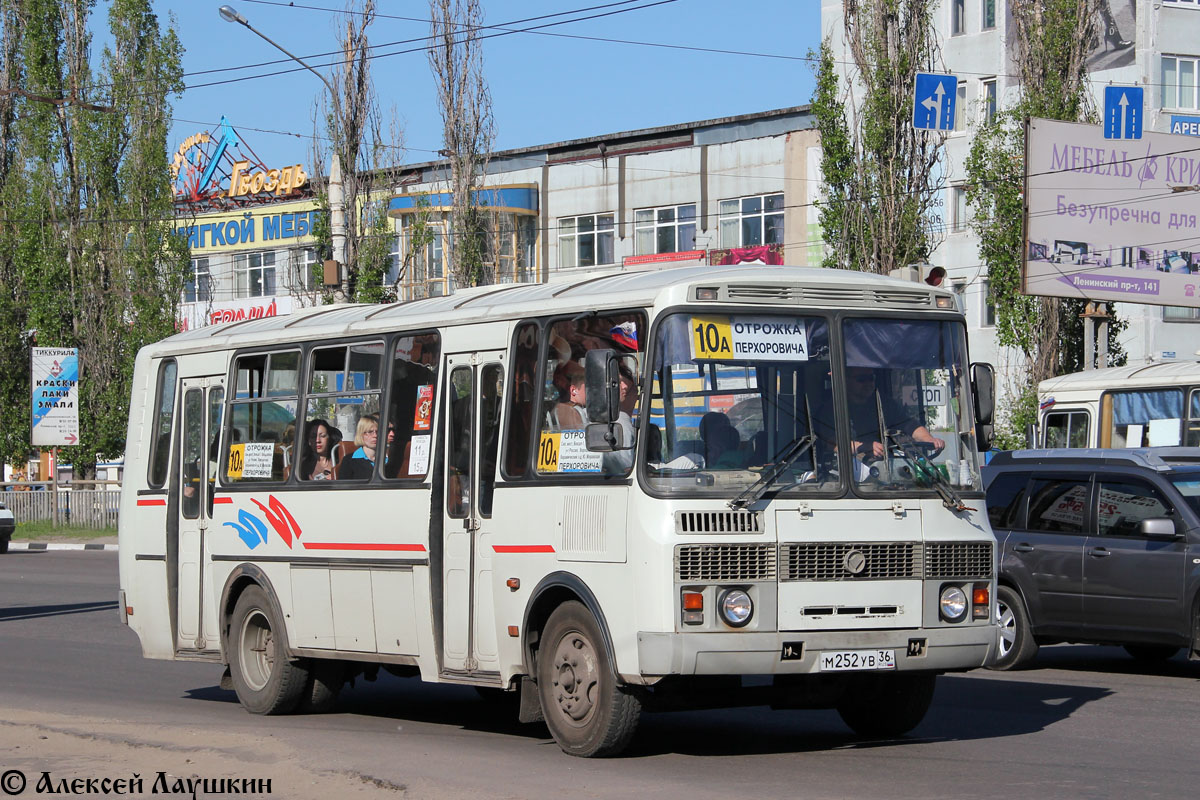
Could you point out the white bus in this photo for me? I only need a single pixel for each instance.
(1145, 406)
(711, 516)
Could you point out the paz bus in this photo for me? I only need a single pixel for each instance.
(536, 511)
(1144, 406)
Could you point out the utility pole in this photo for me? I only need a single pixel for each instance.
(337, 198)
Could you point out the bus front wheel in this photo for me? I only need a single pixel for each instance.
(587, 711)
(265, 680)
(883, 706)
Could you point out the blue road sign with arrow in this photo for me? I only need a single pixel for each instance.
(1123, 112)
(933, 102)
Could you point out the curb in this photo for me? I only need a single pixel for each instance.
(59, 546)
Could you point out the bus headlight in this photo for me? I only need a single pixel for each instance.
(952, 603)
(736, 608)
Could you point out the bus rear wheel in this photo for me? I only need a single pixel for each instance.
(265, 680)
(588, 713)
(883, 706)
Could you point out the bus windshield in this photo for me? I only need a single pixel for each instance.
(742, 399)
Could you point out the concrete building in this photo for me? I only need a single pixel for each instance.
(717, 191)
(1150, 43)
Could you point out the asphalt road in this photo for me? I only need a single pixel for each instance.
(78, 700)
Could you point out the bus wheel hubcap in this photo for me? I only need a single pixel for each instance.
(576, 676)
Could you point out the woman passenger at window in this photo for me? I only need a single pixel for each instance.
(362, 462)
(318, 460)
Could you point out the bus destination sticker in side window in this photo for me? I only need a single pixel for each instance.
(759, 338)
(566, 451)
(250, 460)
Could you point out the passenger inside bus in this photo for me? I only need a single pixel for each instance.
(319, 461)
(361, 462)
(570, 413)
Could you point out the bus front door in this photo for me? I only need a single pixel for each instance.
(474, 393)
(201, 424)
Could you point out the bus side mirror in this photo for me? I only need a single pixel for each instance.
(983, 380)
(602, 377)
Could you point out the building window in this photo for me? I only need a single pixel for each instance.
(987, 319)
(989, 100)
(426, 274)
(512, 247)
(958, 209)
(1178, 82)
(752, 221)
(960, 107)
(988, 13)
(198, 287)
(393, 270)
(1180, 314)
(958, 17)
(304, 267)
(586, 241)
(664, 230)
(254, 274)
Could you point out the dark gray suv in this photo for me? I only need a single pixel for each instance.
(1097, 546)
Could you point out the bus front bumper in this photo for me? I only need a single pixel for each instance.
(794, 653)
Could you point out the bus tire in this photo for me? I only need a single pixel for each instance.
(588, 713)
(884, 706)
(1017, 646)
(265, 679)
(325, 679)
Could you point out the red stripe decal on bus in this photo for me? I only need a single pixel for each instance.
(523, 548)
(220, 501)
(153, 501)
(420, 548)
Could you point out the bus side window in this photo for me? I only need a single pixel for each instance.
(408, 437)
(160, 445)
(522, 400)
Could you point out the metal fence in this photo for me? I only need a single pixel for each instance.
(93, 508)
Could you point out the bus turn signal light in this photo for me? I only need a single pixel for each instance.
(693, 608)
(980, 602)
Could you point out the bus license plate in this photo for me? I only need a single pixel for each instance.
(847, 660)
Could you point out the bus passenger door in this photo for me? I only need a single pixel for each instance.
(473, 405)
(201, 423)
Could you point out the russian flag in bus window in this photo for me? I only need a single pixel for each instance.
(1049, 401)
(625, 335)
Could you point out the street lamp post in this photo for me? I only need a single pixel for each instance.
(337, 198)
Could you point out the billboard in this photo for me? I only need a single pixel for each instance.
(1111, 219)
(55, 383)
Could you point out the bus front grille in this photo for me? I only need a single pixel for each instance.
(687, 522)
(958, 559)
(850, 561)
(724, 562)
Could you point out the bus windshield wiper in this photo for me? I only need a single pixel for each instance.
(798, 447)
(950, 498)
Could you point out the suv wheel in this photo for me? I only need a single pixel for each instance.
(1017, 646)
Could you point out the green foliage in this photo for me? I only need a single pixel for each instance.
(89, 197)
(879, 172)
(1017, 412)
(837, 157)
(1052, 40)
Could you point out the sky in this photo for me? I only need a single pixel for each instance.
(544, 88)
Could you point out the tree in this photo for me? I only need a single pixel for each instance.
(456, 59)
(370, 154)
(1053, 39)
(90, 204)
(881, 175)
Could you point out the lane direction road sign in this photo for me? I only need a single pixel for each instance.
(1123, 112)
(933, 102)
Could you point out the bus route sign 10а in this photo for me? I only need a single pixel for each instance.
(54, 378)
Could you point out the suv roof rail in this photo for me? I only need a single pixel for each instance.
(1158, 458)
